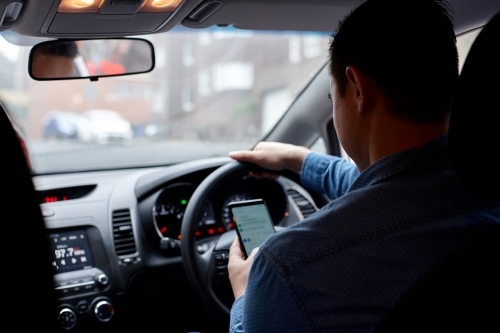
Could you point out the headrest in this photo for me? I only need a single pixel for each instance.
(475, 123)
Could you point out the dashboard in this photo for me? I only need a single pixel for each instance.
(115, 238)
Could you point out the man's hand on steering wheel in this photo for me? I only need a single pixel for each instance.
(272, 156)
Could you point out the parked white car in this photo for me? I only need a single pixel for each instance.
(107, 126)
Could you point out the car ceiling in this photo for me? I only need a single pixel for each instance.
(41, 18)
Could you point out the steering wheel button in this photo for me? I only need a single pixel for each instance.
(202, 248)
(222, 272)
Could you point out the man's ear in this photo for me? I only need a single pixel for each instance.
(360, 87)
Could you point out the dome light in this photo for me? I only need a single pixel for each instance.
(153, 6)
(80, 6)
(161, 3)
(81, 3)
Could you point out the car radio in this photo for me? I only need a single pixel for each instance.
(74, 267)
(82, 285)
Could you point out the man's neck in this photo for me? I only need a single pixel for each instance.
(389, 135)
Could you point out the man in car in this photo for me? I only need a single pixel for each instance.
(396, 211)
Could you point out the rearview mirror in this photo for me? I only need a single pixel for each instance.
(90, 58)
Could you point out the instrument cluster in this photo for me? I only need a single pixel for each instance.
(170, 205)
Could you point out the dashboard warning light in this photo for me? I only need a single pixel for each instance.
(51, 198)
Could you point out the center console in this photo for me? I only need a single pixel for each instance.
(81, 278)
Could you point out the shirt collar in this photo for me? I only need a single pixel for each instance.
(393, 164)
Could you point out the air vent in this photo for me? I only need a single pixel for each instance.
(305, 206)
(123, 233)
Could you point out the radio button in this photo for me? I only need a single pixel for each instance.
(87, 279)
(64, 291)
(102, 280)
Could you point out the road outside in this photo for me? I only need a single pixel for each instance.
(57, 156)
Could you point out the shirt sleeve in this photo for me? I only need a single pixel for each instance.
(330, 175)
(269, 304)
(235, 325)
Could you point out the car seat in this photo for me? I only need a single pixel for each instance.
(461, 293)
(28, 298)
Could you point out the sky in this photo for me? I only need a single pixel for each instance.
(10, 51)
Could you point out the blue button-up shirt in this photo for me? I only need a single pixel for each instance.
(344, 267)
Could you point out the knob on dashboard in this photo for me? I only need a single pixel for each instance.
(104, 311)
(67, 318)
(102, 280)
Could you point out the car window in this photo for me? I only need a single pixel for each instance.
(212, 91)
(319, 146)
(464, 43)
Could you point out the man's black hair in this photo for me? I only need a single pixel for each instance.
(408, 47)
(60, 48)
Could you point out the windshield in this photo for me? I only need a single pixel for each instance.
(212, 91)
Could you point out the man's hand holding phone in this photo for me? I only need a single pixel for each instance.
(239, 267)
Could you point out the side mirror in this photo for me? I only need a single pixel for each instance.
(66, 59)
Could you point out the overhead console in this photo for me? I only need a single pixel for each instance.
(121, 17)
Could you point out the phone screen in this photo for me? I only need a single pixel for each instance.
(253, 223)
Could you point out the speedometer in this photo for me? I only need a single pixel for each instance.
(168, 213)
(168, 219)
(226, 214)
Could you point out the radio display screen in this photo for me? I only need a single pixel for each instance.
(70, 251)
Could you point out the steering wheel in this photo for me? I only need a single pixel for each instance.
(206, 269)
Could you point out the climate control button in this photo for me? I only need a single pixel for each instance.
(104, 311)
(67, 318)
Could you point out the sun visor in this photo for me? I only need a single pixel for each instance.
(313, 15)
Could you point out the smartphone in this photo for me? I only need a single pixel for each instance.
(253, 223)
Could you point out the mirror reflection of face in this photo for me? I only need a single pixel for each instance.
(52, 66)
(90, 58)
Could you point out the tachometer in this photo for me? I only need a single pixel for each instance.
(168, 213)
(226, 214)
(168, 219)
